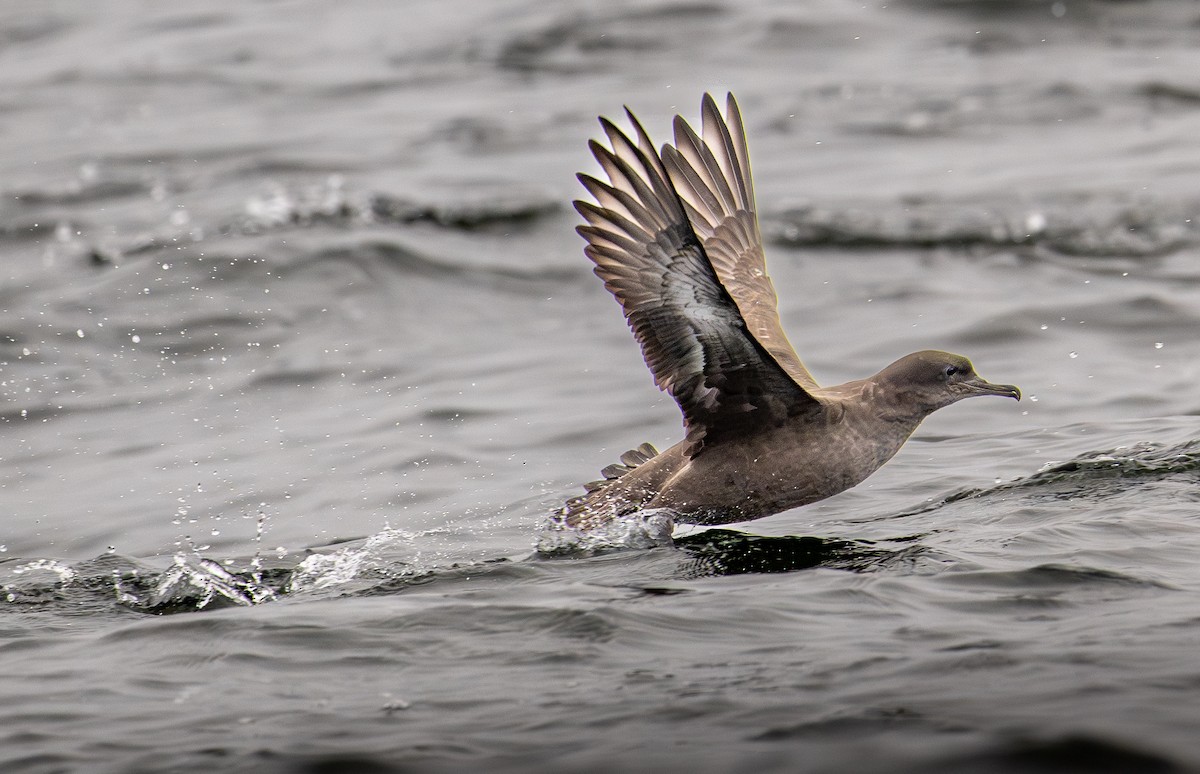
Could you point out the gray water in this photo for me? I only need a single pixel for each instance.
(298, 351)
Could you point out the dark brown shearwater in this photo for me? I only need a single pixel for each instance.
(675, 237)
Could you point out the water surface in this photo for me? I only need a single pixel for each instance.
(298, 350)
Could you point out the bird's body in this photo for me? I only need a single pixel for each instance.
(674, 235)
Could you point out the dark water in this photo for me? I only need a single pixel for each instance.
(298, 350)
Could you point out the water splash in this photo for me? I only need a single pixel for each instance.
(388, 554)
(192, 583)
(642, 529)
(28, 578)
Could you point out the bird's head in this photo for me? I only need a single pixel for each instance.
(929, 380)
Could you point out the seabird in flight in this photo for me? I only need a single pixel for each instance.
(674, 235)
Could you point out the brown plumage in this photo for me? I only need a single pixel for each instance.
(674, 235)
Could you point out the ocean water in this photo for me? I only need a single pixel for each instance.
(299, 350)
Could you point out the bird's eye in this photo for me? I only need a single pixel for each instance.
(951, 371)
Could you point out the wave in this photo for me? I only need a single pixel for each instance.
(1066, 225)
(329, 203)
(82, 191)
(192, 582)
(1092, 475)
(583, 43)
(1074, 226)
(279, 208)
(718, 552)
(393, 560)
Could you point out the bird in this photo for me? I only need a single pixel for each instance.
(674, 236)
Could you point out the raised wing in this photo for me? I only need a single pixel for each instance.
(712, 177)
(693, 335)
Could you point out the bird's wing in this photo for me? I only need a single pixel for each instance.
(692, 334)
(712, 176)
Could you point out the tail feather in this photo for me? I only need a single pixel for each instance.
(629, 460)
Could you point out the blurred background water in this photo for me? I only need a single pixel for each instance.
(298, 350)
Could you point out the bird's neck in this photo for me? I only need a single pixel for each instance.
(893, 405)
